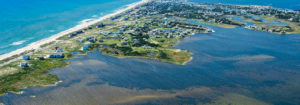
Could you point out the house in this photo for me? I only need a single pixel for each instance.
(210, 30)
(145, 39)
(79, 32)
(170, 36)
(72, 35)
(112, 18)
(41, 58)
(85, 47)
(60, 55)
(181, 35)
(90, 37)
(81, 40)
(146, 47)
(115, 35)
(121, 32)
(56, 48)
(26, 57)
(166, 21)
(167, 33)
(124, 26)
(51, 56)
(100, 25)
(157, 36)
(136, 42)
(125, 39)
(93, 40)
(282, 32)
(151, 53)
(105, 46)
(125, 18)
(59, 50)
(24, 64)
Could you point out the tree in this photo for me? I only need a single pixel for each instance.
(162, 55)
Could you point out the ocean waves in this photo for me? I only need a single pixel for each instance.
(18, 43)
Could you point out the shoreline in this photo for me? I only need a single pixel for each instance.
(36, 45)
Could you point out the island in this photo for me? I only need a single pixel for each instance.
(149, 29)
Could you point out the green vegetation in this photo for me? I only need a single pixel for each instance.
(233, 23)
(280, 27)
(13, 57)
(162, 54)
(35, 75)
(294, 25)
(228, 22)
(47, 44)
(290, 28)
(219, 25)
(255, 20)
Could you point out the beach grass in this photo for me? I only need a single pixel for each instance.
(35, 75)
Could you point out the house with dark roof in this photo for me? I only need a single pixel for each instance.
(51, 56)
(24, 64)
(100, 25)
(93, 40)
(41, 58)
(72, 35)
(79, 32)
(26, 57)
(60, 55)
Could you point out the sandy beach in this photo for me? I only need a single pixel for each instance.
(36, 45)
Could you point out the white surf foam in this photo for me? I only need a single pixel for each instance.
(18, 42)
